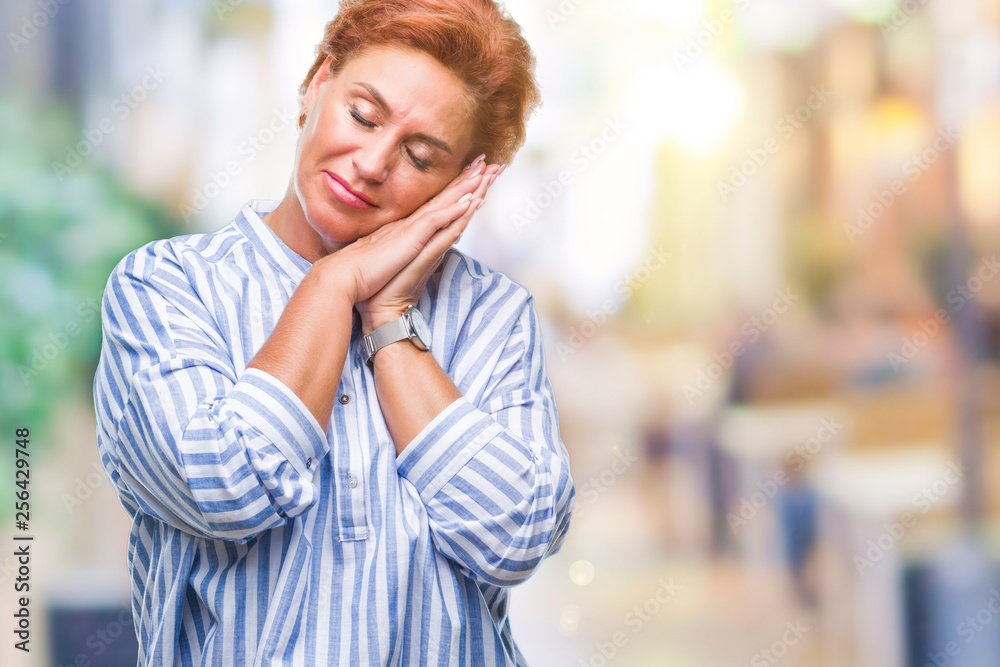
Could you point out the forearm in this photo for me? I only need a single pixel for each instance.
(412, 390)
(497, 503)
(225, 473)
(492, 471)
(309, 344)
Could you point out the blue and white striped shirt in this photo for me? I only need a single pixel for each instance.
(257, 538)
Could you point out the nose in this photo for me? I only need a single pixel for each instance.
(372, 158)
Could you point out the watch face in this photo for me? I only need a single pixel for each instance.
(420, 328)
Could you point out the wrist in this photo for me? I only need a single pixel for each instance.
(410, 326)
(401, 352)
(335, 282)
(371, 320)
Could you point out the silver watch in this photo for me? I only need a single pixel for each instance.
(410, 324)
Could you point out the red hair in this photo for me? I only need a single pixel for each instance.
(475, 39)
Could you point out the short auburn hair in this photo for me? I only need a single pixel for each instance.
(476, 40)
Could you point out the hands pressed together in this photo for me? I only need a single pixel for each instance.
(387, 270)
(379, 275)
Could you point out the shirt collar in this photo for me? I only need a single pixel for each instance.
(251, 224)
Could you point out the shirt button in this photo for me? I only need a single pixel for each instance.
(309, 462)
(345, 399)
(352, 481)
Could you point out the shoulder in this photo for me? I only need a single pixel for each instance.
(483, 324)
(180, 257)
(474, 311)
(466, 294)
(467, 280)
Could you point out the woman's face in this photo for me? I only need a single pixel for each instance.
(382, 136)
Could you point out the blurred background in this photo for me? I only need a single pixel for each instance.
(762, 236)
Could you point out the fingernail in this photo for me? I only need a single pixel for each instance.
(493, 178)
(501, 170)
(476, 161)
(466, 197)
(480, 204)
(477, 170)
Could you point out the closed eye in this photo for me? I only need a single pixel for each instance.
(422, 165)
(361, 119)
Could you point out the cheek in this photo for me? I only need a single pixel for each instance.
(410, 192)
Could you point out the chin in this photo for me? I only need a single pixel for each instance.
(335, 233)
(336, 228)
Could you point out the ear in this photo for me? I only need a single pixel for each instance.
(319, 78)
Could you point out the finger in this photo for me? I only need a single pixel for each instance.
(453, 232)
(446, 236)
(482, 185)
(430, 255)
(385, 253)
(496, 175)
(449, 195)
(460, 184)
(471, 182)
(489, 177)
(443, 239)
(398, 243)
(434, 221)
(478, 160)
(468, 179)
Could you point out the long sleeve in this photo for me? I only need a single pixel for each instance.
(491, 469)
(204, 447)
(258, 537)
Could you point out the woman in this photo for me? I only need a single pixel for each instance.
(317, 473)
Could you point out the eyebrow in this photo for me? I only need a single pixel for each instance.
(426, 138)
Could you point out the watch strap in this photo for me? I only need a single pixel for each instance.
(388, 333)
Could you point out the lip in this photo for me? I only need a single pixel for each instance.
(346, 194)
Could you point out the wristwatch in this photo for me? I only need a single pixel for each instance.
(410, 324)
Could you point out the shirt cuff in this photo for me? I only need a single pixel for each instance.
(274, 409)
(445, 446)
